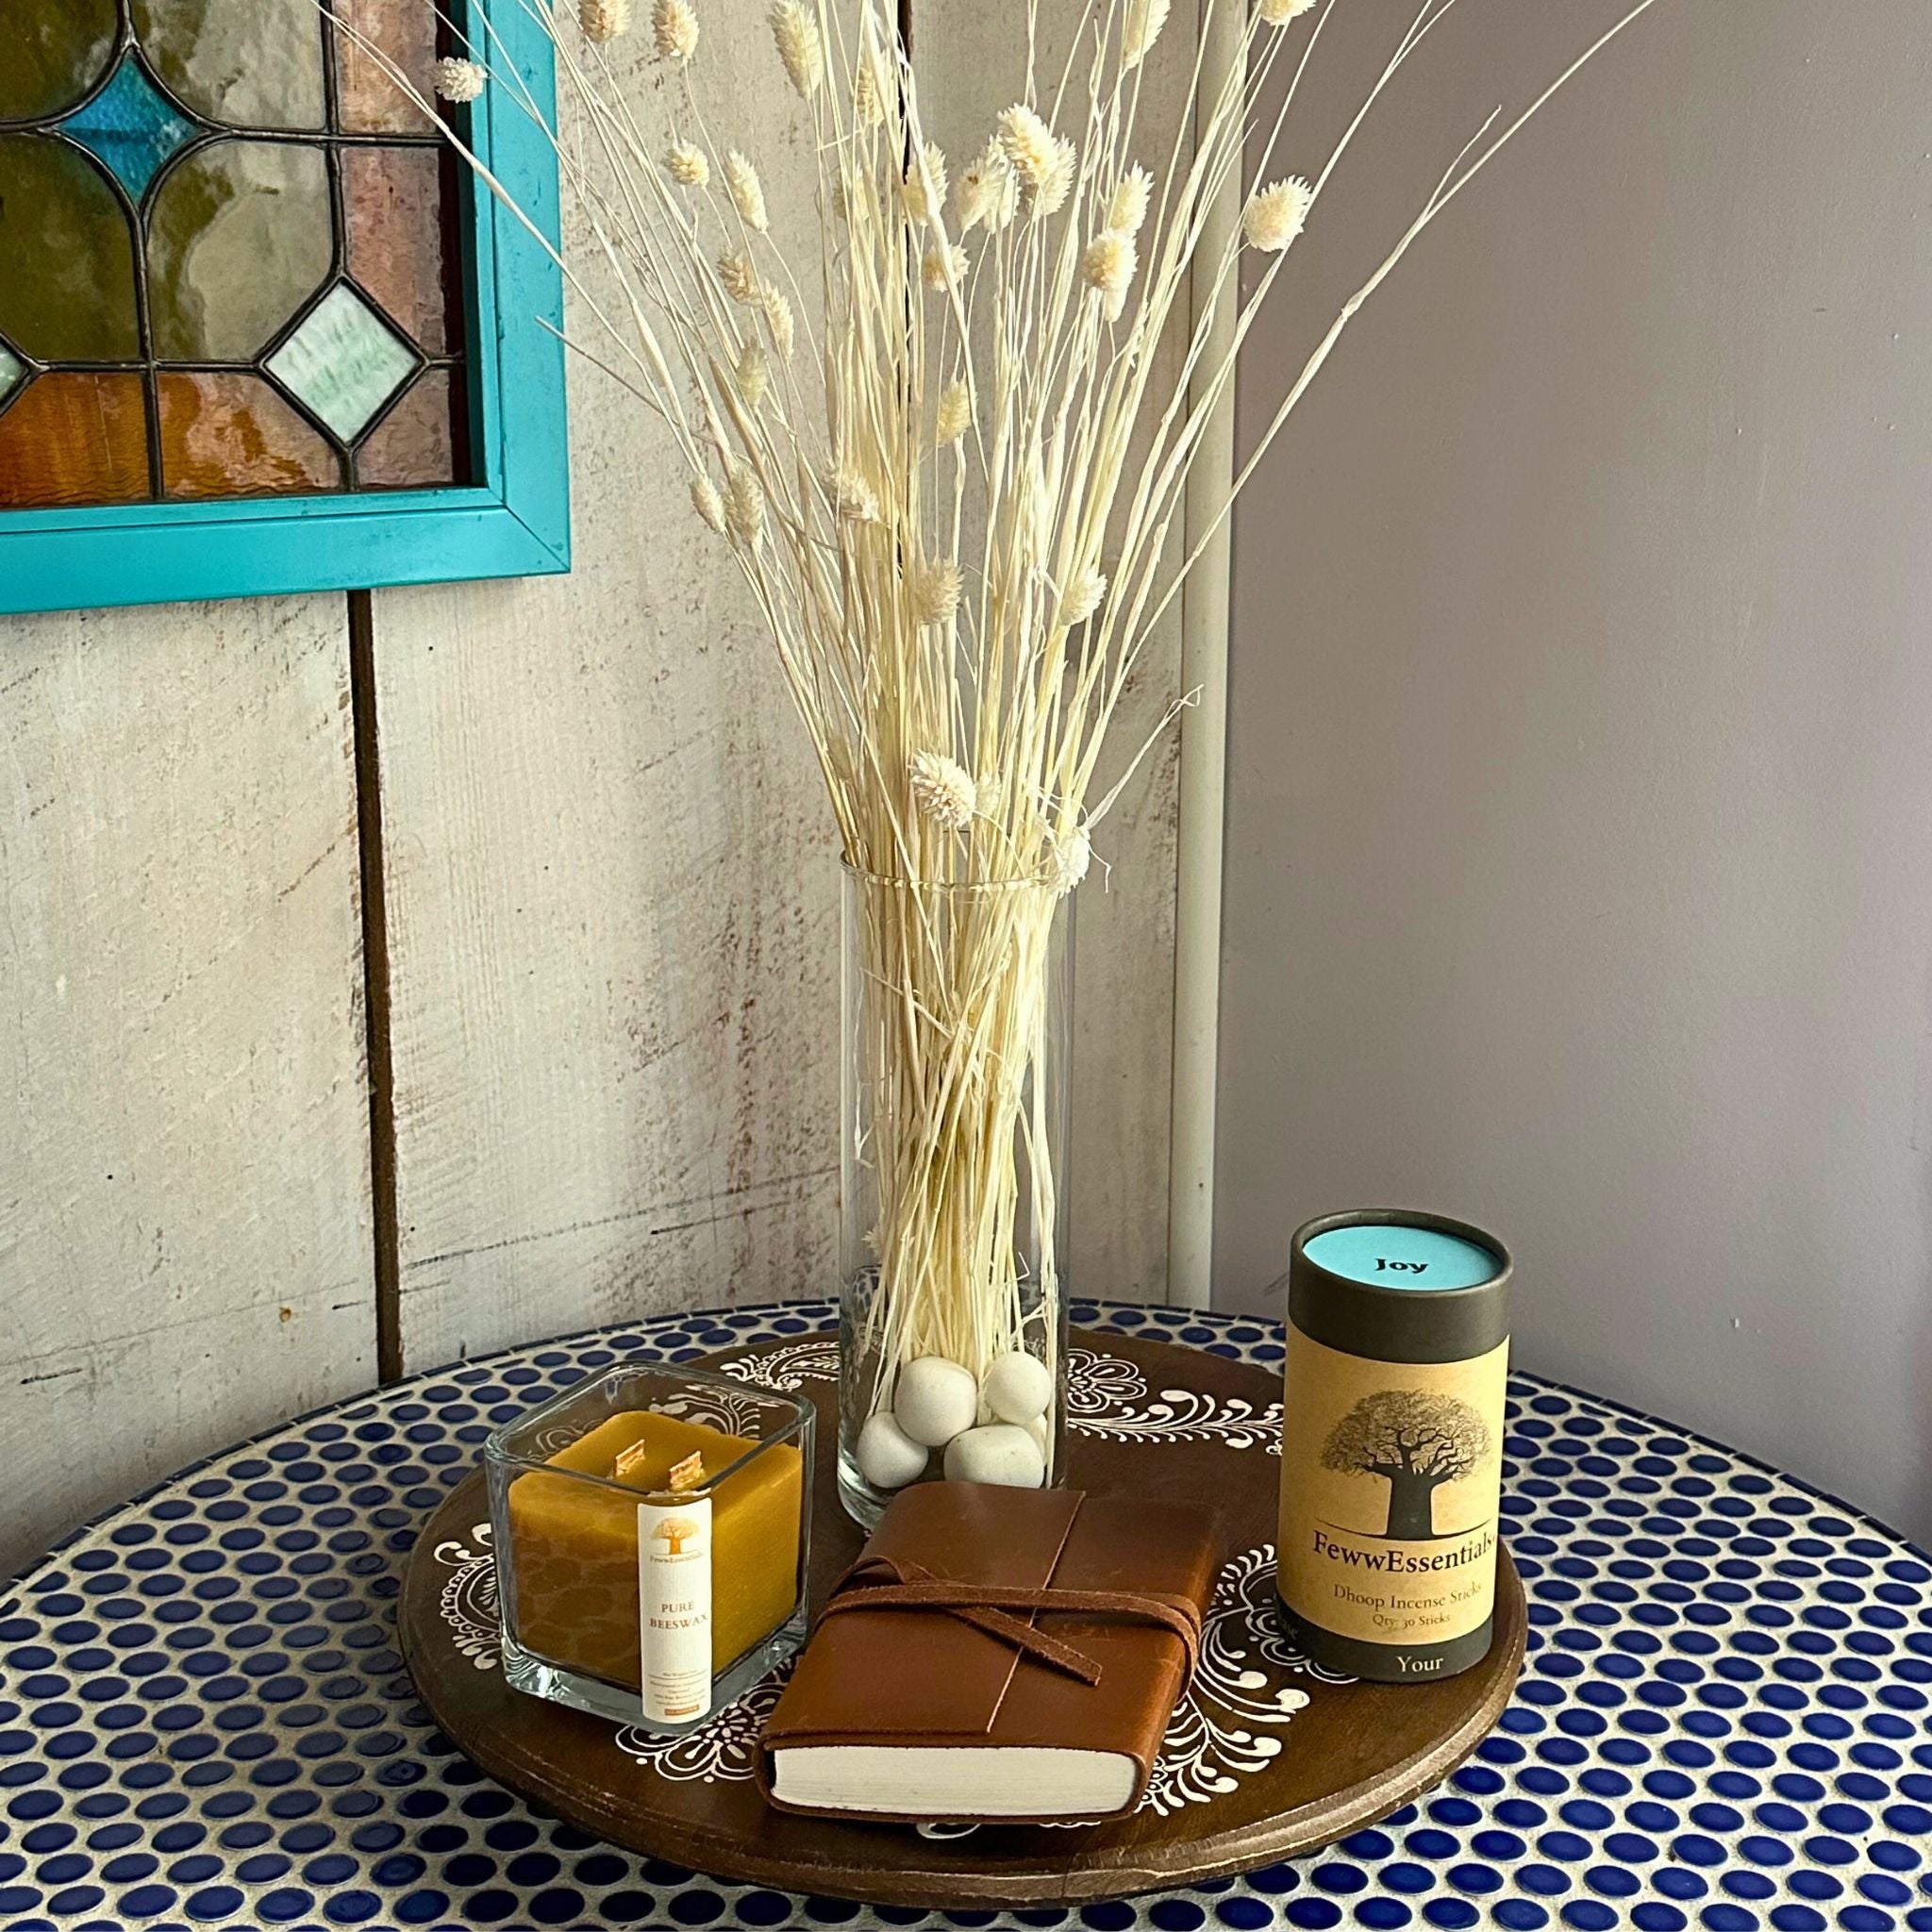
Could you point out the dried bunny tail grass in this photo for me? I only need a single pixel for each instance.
(940, 591)
(745, 507)
(943, 267)
(603, 20)
(1051, 196)
(986, 190)
(738, 277)
(1140, 29)
(458, 81)
(748, 193)
(1109, 263)
(778, 319)
(685, 162)
(923, 190)
(934, 592)
(954, 416)
(1085, 592)
(795, 31)
(1073, 857)
(705, 500)
(674, 29)
(942, 790)
(852, 498)
(753, 375)
(1276, 215)
(1028, 146)
(1127, 209)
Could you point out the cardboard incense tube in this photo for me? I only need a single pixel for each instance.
(1391, 1442)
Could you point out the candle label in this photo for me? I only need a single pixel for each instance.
(1392, 1477)
(674, 1609)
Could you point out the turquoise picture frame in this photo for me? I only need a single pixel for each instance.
(514, 522)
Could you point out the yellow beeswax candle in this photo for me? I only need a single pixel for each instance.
(573, 1546)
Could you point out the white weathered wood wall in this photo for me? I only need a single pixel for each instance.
(611, 949)
(184, 1182)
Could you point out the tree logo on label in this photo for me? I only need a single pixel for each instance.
(1416, 1441)
(677, 1531)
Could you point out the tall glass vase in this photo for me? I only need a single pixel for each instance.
(953, 1173)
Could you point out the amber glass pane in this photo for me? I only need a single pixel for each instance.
(414, 445)
(242, 63)
(239, 238)
(75, 438)
(226, 434)
(66, 256)
(404, 31)
(51, 52)
(393, 204)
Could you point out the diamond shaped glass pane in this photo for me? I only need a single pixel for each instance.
(12, 370)
(131, 127)
(345, 362)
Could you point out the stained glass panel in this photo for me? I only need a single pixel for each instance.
(68, 292)
(394, 199)
(225, 434)
(233, 254)
(404, 37)
(75, 437)
(238, 239)
(242, 63)
(131, 126)
(416, 445)
(54, 51)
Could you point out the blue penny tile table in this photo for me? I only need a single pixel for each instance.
(1724, 1720)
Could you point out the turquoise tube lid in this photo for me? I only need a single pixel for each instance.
(1399, 1255)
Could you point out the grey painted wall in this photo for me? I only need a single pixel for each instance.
(1580, 836)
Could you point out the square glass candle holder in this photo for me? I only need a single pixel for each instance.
(565, 1526)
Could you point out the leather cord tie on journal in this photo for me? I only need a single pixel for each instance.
(990, 1607)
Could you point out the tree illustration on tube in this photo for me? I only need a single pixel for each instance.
(1415, 1441)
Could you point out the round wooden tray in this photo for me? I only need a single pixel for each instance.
(1266, 1758)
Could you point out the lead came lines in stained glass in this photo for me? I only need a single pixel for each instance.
(132, 127)
(345, 362)
(253, 63)
(189, 162)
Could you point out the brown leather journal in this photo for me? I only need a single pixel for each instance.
(995, 1653)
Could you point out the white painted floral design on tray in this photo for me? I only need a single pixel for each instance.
(1106, 1396)
(468, 1598)
(1225, 1728)
(815, 1360)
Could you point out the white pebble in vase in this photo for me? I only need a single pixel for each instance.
(934, 1400)
(889, 1459)
(1018, 1387)
(1001, 1452)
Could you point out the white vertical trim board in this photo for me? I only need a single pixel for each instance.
(1205, 618)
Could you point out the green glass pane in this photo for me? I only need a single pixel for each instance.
(12, 370)
(131, 127)
(244, 63)
(67, 291)
(239, 238)
(345, 362)
(51, 52)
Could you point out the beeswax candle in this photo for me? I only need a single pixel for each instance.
(573, 1544)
